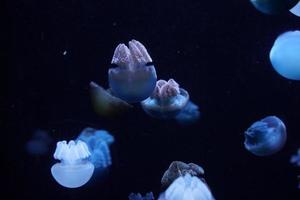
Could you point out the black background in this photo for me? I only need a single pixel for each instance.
(217, 50)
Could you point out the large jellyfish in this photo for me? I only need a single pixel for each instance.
(134, 78)
(266, 136)
(187, 187)
(138, 196)
(273, 6)
(74, 170)
(285, 55)
(295, 159)
(166, 101)
(296, 9)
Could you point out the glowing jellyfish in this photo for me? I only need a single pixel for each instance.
(74, 170)
(296, 9)
(134, 78)
(273, 6)
(177, 169)
(265, 137)
(295, 159)
(105, 104)
(98, 142)
(138, 196)
(187, 187)
(285, 55)
(189, 114)
(166, 101)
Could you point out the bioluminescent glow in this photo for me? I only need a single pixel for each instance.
(188, 115)
(266, 136)
(273, 6)
(166, 101)
(138, 196)
(187, 187)
(134, 78)
(285, 55)
(74, 170)
(296, 9)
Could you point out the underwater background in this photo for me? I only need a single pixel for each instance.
(216, 50)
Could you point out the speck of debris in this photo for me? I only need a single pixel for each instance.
(65, 53)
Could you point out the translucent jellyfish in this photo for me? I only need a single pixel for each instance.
(273, 6)
(177, 169)
(189, 114)
(187, 187)
(98, 142)
(134, 78)
(296, 9)
(138, 196)
(295, 159)
(104, 103)
(285, 55)
(39, 143)
(74, 170)
(166, 101)
(265, 137)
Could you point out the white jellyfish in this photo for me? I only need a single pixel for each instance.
(74, 170)
(187, 187)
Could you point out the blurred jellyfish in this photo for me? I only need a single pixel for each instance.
(285, 55)
(104, 103)
(265, 137)
(98, 142)
(39, 143)
(166, 101)
(189, 114)
(134, 78)
(273, 6)
(187, 187)
(296, 9)
(138, 196)
(295, 159)
(74, 170)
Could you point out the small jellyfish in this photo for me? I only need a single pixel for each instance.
(134, 78)
(273, 6)
(285, 55)
(187, 187)
(98, 142)
(188, 115)
(295, 159)
(104, 103)
(138, 196)
(39, 143)
(177, 169)
(296, 9)
(166, 101)
(74, 170)
(265, 137)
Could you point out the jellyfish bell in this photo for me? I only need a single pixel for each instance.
(272, 7)
(134, 77)
(296, 9)
(285, 55)
(74, 170)
(166, 101)
(138, 196)
(265, 137)
(189, 114)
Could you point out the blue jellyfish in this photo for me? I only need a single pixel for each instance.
(265, 137)
(187, 187)
(273, 6)
(98, 142)
(39, 143)
(105, 104)
(188, 115)
(166, 101)
(134, 78)
(74, 170)
(138, 196)
(295, 159)
(296, 9)
(285, 55)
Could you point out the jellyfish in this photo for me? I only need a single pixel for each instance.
(98, 142)
(39, 143)
(188, 115)
(177, 169)
(273, 6)
(105, 104)
(295, 159)
(166, 101)
(138, 196)
(74, 170)
(265, 137)
(296, 9)
(134, 77)
(285, 55)
(187, 187)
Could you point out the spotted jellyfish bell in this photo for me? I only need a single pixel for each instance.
(166, 101)
(74, 170)
(134, 78)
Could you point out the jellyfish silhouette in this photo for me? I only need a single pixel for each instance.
(296, 9)
(166, 101)
(74, 170)
(266, 136)
(187, 187)
(273, 6)
(134, 78)
(39, 143)
(285, 55)
(138, 196)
